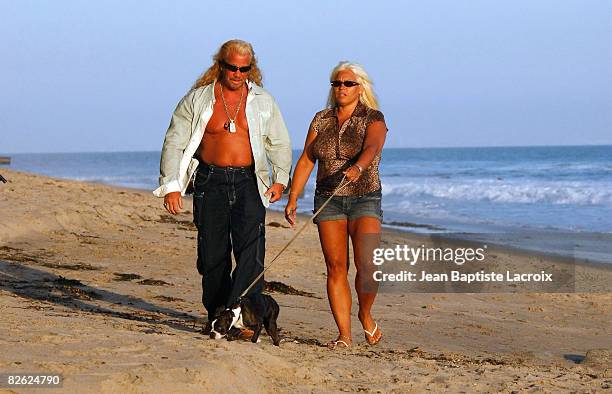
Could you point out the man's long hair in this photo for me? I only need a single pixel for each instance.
(367, 97)
(233, 46)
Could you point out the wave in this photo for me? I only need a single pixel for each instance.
(500, 191)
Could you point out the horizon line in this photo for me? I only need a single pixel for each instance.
(300, 148)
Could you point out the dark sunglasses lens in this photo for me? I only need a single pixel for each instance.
(230, 67)
(233, 68)
(348, 84)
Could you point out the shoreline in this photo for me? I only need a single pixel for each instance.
(467, 237)
(504, 244)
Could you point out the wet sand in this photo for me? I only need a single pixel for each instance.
(99, 284)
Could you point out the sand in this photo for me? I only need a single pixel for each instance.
(99, 284)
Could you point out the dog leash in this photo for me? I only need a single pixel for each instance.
(340, 187)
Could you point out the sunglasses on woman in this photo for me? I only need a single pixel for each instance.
(348, 84)
(232, 68)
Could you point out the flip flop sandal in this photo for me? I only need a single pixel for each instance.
(339, 343)
(370, 335)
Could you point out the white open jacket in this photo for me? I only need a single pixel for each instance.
(268, 135)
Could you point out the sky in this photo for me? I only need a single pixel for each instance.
(79, 76)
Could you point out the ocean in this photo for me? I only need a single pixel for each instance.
(561, 193)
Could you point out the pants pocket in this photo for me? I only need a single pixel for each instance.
(201, 180)
(261, 235)
(198, 209)
(200, 263)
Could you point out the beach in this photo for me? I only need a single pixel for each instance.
(99, 284)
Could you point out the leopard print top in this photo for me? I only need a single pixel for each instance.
(337, 149)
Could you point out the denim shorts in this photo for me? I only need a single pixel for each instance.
(348, 207)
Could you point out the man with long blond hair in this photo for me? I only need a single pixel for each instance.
(227, 134)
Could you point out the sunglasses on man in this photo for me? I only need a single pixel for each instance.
(348, 84)
(232, 68)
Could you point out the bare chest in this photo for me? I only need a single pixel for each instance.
(223, 122)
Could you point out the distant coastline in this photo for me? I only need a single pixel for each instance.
(299, 149)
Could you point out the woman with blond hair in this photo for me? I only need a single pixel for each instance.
(347, 139)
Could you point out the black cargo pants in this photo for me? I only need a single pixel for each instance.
(229, 216)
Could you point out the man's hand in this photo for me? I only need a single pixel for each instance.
(274, 192)
(173, 202)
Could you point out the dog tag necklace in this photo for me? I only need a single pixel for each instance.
(231, 124)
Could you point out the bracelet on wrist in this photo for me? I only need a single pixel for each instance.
(360, 168)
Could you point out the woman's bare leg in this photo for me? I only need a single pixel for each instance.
(333, 236)
(365, 236)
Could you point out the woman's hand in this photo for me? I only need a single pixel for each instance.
(353, 173)
(291, 212)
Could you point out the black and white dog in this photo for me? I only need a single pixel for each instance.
(247, 314)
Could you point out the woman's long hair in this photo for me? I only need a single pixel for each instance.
(233, 46)
(367, 96)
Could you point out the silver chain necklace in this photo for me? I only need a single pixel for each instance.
(231, 124)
